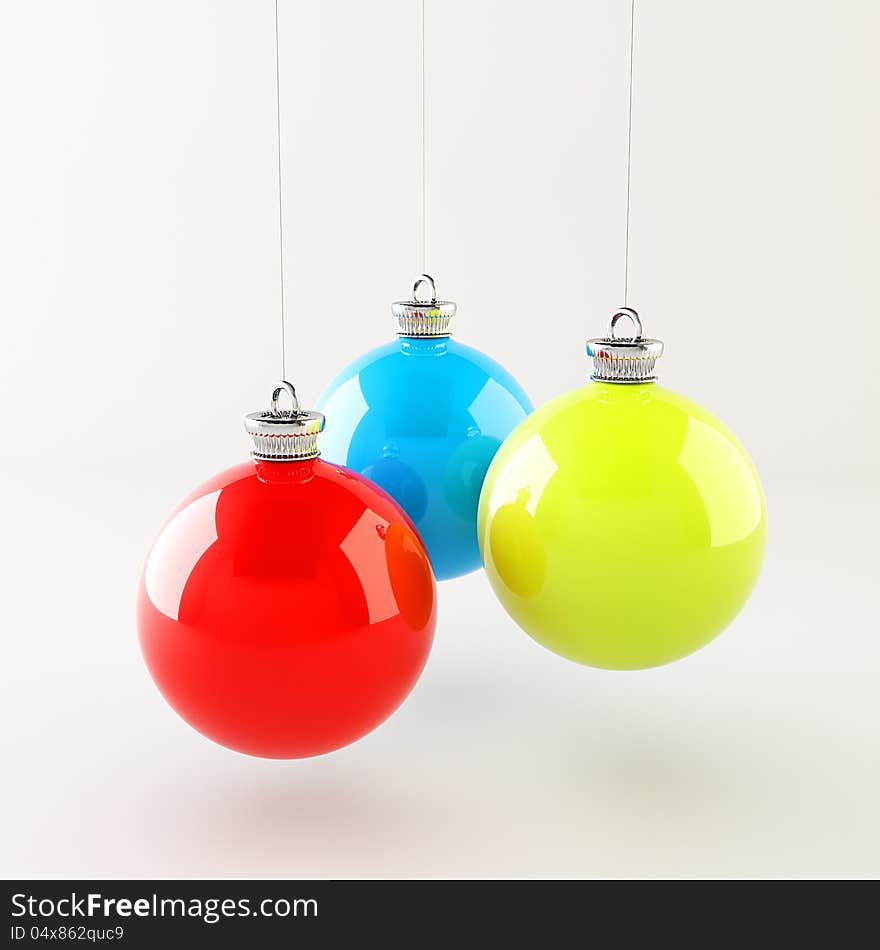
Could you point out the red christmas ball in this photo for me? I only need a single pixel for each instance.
(286, 608)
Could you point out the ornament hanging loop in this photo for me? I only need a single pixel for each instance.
(624, 359)
(275, 408)
(284, 435)
(421, 317)
(424, 279)
(629, 314)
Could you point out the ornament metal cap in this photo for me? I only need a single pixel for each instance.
(423, 317)
(624, 359)
(284, 435)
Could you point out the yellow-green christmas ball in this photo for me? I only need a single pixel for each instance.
(621, 525)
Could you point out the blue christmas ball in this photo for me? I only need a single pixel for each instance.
(423, 417)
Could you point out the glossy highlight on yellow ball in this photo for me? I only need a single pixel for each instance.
(622, 526)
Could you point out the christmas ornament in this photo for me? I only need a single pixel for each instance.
(286, 607)
(622, 525)
(423, 417)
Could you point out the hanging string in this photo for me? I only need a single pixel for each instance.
(629, 133)
(280, 195)
(423, 115)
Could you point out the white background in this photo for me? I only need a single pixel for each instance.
(138, 300)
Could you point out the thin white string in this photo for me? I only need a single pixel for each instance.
(423, 115)
(280, 196)
(629, 132)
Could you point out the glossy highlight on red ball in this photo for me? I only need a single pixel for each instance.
(286, 609)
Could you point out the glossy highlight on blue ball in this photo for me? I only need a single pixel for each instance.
(423, 419)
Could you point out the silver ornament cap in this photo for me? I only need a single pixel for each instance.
(619, 359)
(284, 435)
(420, 317)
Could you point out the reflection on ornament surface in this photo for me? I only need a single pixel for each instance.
(622, 526)
(286, 608)
(423, 418)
